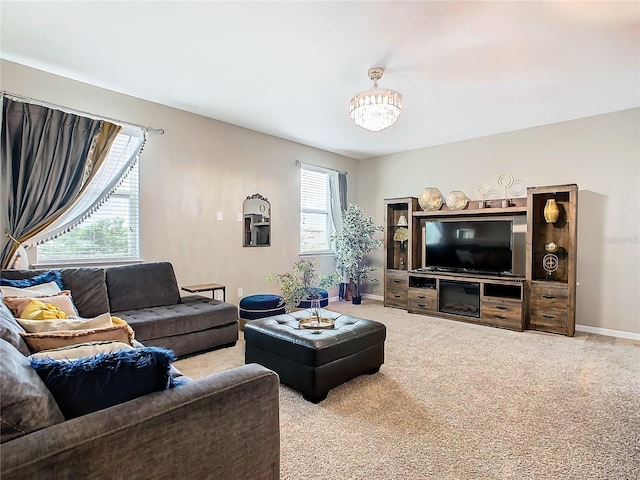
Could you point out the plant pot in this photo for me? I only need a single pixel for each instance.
(356, 300)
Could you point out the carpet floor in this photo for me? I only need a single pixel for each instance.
(460, 401)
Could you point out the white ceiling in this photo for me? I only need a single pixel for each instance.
(288, 69)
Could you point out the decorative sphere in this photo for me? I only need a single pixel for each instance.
(457, 200)
(430, 199)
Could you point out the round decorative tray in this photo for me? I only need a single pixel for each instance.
(313, 324)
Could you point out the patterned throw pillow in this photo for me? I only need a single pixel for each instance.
(81, 350)
(56, 325)
(120, 331)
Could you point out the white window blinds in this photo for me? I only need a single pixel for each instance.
(315, 211)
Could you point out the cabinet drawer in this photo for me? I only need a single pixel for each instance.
(549, 297)
(502, 314)
(422, 300)
(395, 279)
(548, 317)
(396, 298)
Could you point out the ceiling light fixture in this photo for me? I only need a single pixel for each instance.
(376, 109)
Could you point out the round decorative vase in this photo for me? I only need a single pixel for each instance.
(430, 199)
(457, 200)
(551, 211)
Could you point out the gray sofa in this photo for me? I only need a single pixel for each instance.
(224, 426)
(146, 296)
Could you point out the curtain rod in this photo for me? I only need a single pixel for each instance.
(13, 96)
(299, 163)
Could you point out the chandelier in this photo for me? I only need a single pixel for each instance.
(376, 109)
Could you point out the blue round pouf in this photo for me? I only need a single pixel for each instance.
(324, 300)
(260, 306)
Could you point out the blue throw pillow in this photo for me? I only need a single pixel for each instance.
(46, 277)
(89, 384)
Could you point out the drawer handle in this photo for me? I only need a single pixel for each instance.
(548, 316)
(500, 307)
(422, 305)
(397, 296)
(550, 297)
(422, 296)
(501, 317)
(397, 281)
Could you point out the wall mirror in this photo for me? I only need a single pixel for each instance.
(256, 211)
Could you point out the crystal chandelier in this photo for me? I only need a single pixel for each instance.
(376, 109)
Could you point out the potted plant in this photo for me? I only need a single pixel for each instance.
(303, 283)
(357, 240)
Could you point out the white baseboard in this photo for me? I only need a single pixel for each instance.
(580, 328)
(608, 332)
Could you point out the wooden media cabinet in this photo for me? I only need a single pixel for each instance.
(539, 296)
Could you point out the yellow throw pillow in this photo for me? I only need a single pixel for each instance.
(37, 310)
(61, 300)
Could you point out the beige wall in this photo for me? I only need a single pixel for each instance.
(202, 166)
(600, 154)
(197, 168)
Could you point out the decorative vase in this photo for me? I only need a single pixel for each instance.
(316, 311)
(457, 200)
(430, 199)
(551, 211)
(356, 300)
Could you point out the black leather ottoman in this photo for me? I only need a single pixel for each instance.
(315, 361)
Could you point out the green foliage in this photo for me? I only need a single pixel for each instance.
(107, 236)
(303, 283)
(356, 241)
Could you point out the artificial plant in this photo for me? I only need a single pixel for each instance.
(303, 283)
(357, 240)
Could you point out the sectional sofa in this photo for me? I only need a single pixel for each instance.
(147, 297)
(222, 426)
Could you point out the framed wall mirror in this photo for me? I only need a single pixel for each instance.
(256, 211)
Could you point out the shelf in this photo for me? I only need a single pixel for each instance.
(518, 210)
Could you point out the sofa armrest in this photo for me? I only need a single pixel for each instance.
(222, 426)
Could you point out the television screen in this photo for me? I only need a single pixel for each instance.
(469, 245)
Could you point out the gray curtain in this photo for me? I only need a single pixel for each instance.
(342, 188)
(45, 162)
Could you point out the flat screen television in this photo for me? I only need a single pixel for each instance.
(475, 246)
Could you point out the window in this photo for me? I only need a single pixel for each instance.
(316, 226)
(111, 232)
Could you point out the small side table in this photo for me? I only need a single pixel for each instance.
(207, 287)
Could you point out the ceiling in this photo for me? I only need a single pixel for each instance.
(289, 69)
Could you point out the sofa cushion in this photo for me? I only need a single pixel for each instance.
(87, 286)
(89, 384)
(10, 330)
(144, 285)
(26, 405)
(195, 313)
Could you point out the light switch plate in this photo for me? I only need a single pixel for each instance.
(219, 216)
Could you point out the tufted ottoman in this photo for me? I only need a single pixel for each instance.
(315, 361)
(259, 306)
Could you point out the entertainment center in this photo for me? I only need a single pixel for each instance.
(508, 264)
